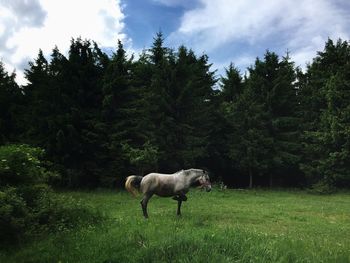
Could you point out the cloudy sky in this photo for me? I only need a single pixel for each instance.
(227, 30)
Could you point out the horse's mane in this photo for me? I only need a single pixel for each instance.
(187, 170)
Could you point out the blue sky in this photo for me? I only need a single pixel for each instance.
(226, 30)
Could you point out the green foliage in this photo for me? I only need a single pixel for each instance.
(15, 216)
(11, 100)
(322, 187)
(28, 206)
(144, 158)
(277, 124)
(326, 139)
(59, 213)
(22, 165)
(231, 84)
(261, 114)
(179, 106)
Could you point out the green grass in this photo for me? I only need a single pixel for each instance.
(220, 226)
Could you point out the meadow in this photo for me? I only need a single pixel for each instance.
(220, 226)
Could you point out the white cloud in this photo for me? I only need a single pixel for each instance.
(300, 26)
(59, 21)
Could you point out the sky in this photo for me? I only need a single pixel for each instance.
(227, 31)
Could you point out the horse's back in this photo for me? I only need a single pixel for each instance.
(160, 184)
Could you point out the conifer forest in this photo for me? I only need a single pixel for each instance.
(101, 117)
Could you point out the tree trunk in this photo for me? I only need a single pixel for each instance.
(250, 178)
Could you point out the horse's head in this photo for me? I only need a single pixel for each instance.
(204, 181)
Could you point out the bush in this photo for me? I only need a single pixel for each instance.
(14, 215)
(322, 187)
(58, 213)
(28, 205)
(22, 165)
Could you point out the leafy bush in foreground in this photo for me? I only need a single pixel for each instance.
(28, 205)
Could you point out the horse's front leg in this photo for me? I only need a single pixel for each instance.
(144, 203)
(179, 199)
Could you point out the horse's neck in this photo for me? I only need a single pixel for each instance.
(193, 177)
(187, 179)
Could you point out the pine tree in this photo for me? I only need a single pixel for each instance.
(120, 109)
(248, 138)
(231, 88)
(64, 110)
(285, 123)
(263, 118)
(39, 103)
(160, 104)
(84, 74)
(325, 96)
(11, 99)
(143, 131)
(231, 84)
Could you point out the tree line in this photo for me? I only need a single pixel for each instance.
(102, 117)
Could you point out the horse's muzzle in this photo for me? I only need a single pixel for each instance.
(208, 188)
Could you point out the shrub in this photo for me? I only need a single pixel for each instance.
(14, 215)
(60, 213)
(27, 203)
(22, 165)
(322, 187)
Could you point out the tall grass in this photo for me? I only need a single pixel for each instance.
(221, 226)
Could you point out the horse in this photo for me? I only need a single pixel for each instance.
(174, 185)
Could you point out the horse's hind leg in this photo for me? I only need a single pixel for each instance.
(144, 203)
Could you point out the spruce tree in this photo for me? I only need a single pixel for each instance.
(248, 137)
(231, 84)
(11, 99)
(325, 96)
(160, 104)
(120, 111)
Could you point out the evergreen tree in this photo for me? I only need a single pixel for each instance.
(160, 104)
(84, 74)
(39, 104)
(120, 109)
(199, 117)
(231, 84)
(325, 140)
(231, 88)
(264, 123)
(10, 106)
(101, 118)
(143, 131)
(285, 124)
(64, 110)
(248, 137)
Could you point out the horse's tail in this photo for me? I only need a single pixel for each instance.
(132, 184)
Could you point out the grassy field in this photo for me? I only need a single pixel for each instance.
(220, 226)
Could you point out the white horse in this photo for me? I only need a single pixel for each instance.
(167, 185)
